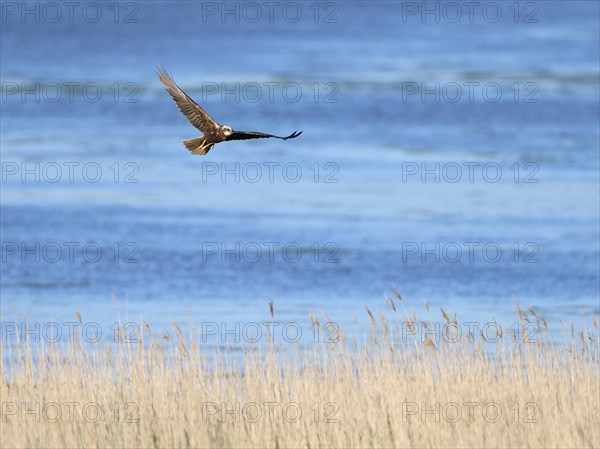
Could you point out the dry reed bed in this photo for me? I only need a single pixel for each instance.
(392, 387)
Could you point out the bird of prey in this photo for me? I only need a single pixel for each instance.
(213, 132)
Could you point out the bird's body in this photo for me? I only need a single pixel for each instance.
(213, 132)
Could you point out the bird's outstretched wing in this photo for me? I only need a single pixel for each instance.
(243, 135)
(188, 107)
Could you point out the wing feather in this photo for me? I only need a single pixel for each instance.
(244, 135)
(188, 107)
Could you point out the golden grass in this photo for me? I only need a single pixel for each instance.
(399, 385)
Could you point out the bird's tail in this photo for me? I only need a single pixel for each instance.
(198, 146)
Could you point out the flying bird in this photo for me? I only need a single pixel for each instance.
(213, 132)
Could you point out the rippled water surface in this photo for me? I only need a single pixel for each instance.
(328, 221)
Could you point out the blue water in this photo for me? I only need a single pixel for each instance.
(358, 220)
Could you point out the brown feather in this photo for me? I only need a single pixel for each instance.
(200, 145)
(188, 107)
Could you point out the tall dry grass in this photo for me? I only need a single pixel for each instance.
(390, 387)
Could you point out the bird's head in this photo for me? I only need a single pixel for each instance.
(227, 131)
